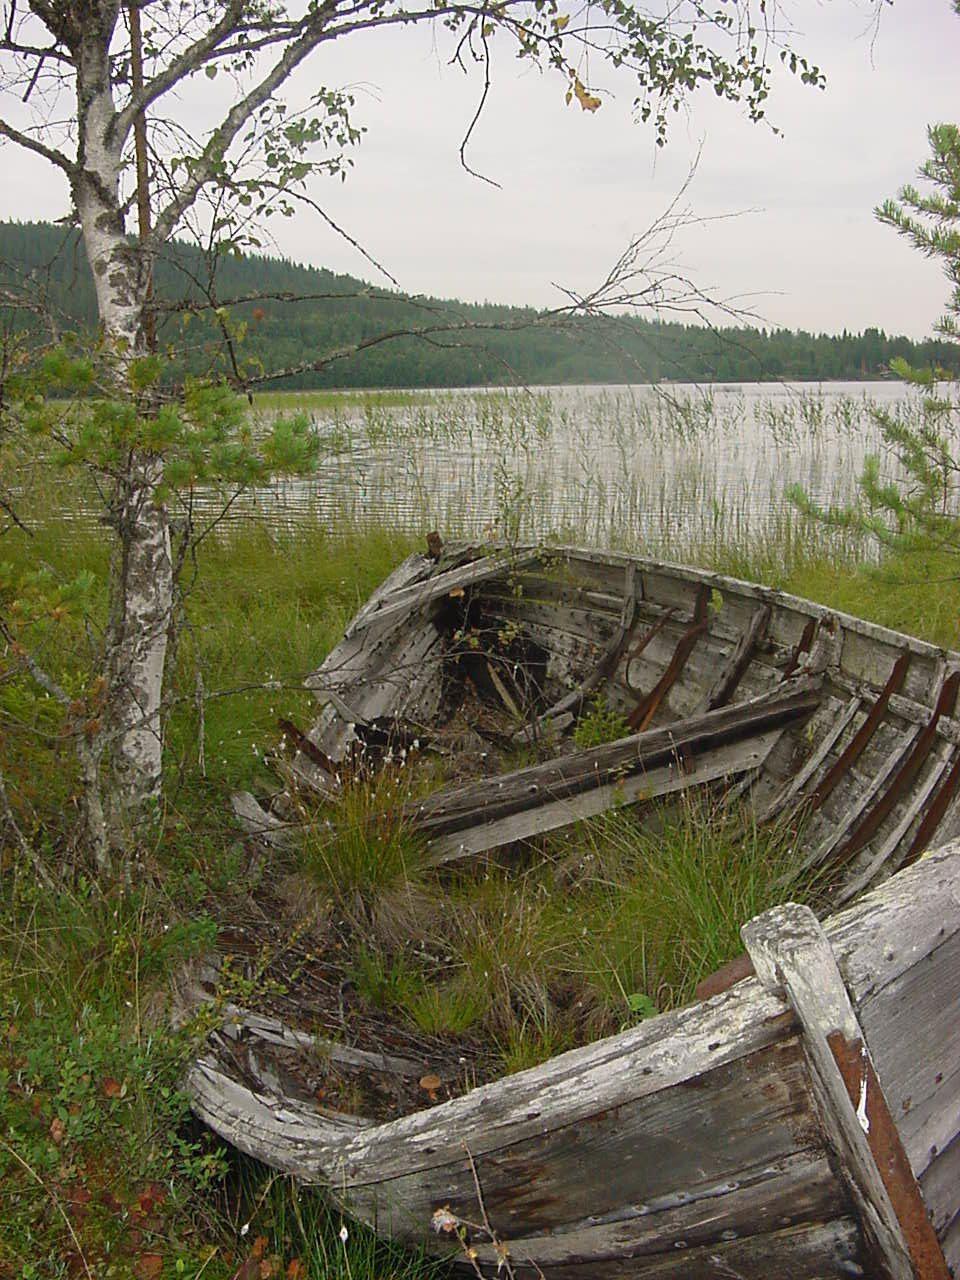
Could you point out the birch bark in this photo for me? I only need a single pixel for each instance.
(141, 579)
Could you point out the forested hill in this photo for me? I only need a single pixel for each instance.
(279, 333)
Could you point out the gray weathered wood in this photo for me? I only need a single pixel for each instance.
(721, 762)
(825, 743)
(416, 596)
(820, 1251)
(790, 951)
(260, 823)
(573, 701)
(730, 675)
(882, 854)
(238, 1022)
(857, 800)
(460, 808)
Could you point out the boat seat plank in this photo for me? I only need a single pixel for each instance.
(459, 808)
(723, 762)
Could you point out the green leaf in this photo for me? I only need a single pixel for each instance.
(641, 1005)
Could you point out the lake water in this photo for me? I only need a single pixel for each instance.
(610, 464)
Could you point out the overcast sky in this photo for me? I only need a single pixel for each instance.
(576, 187)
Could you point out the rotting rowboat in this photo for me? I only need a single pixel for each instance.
(803, 1122)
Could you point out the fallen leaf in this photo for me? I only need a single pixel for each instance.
(296, 1270)
(112, 1088)
(269, 1267)
(148, 1266)
(259, 1247)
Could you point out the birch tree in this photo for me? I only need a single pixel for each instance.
(100, 90)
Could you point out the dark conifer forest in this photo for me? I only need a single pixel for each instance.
(469, 344)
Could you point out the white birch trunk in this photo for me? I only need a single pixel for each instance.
(141, 572)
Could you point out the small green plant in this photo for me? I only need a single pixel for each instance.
(385, 982)
(361, 846)
(448, 1008)
(600, 724)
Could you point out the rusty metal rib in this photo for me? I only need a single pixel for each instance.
(893, 1164)
(644, 640)
(861, 739)
(864, 832)
(802, 647)
(935, 814)
(726, 683)
(639, 719)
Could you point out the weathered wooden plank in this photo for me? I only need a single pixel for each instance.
(565, 1091)
(874, 818)
(861, 739)
(909, 709)
(822, 1251)
(739, 1116)
(928, 1125)
(913, 1029)
(799, 1189)
(241, 1022)
(573, 701)
(584, 624)
(885, 859)
(455, 809)
(284, 1132)
(540, 588)
(859, 798)
(418, 595)
(825, 739)
(645, 710)
(940, 1184)
(260, 823)
(951, 1245)
(940, 806)
(414, 569)
(790, 950)
(722, 762)
(892, 928)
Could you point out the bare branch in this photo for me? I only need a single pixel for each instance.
(184, 65)
(41, 149)
(205, 166)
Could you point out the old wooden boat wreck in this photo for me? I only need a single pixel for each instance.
(802, 1119)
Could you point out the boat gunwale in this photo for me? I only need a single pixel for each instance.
(749, 590)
